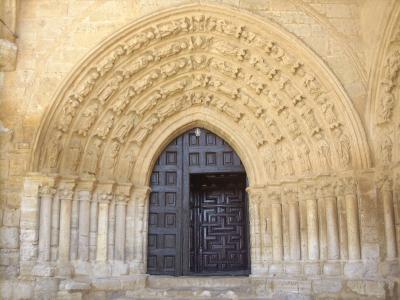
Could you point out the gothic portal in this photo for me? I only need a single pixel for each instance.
(252, 138)
(198, 218)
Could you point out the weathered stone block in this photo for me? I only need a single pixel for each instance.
(8, 55)
(43, 270)
(375, 288)
(9, 238)
(332, 268)
(23, 290)
(9, 257)
(312, 269)
(106, 284)
(119, 268)
(354, 269)
(293, 269)
(327, 286)
(11, 217)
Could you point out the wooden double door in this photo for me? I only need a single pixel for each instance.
(198, 216)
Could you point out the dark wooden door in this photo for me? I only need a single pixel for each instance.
(218, 224)
(170, 213)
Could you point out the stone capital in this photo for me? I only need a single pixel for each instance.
(384, 182)
(104, 197)
(141, 193)
(256, 193)
(349, 185)
(326, 189)
(307, 191)
(47, 190)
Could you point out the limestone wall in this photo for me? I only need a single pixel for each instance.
(354, 39)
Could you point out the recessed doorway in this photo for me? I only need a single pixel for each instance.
(198, 210)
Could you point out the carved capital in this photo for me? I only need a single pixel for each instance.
(104, 197)
(307, 191)
(141, 193)
(349, 185)
(326, 189)
(47, 190)
(289, 193)
(121, 199)
(384, 182)
(255, 194)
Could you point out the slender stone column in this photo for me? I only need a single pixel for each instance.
(85, 197)
(386, 194)
(93, 229)
(141, 196)
(55, 227)
(308, 194)
(294, 224)
(65, 195)
(121, 202)
(255, 197)
(46, 197)
(353, 232)
(102, 234)
(276, 222)
(328, 195)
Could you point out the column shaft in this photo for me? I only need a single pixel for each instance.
(312, 229)
(277, 244)
(332, 228)
(353, 233)
(84, 221)
(120, 230)
(102, 234)
(45, 223)
(390, 233)
(294, 230)
(65, 225)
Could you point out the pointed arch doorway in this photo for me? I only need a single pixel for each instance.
(198, 210)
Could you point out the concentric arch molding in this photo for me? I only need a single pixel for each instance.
(248, 80)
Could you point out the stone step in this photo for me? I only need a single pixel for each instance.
(225, 282)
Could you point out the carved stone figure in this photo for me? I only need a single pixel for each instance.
(92, 156)
(68, 113)
(324, 154)
(53, 151)
(174, 88)
(226, 108)
(88, 84)
(125, 127)
(312, 84)
(251, 104)
(73, 157)
(170, 50)
(310, 120)
(146, 128)
(385, 149)
(343, 149)
(276, 102)
(146, 82)
(330, 115)
(271, 163)
(105, 126)
(173, 68)
(110, 159)
(219, 86)
(87, 119)
(273, 129)
(303, 154)
(226, 48)
(111, 88)
(225, 68)
(254, 131)
(287, 161)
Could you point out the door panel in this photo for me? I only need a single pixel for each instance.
(164, 240)
(219, 222)
(171, 219)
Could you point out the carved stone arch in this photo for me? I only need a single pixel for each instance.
(260, 76)
(384, 93)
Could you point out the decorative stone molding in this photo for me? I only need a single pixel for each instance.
(191, 60)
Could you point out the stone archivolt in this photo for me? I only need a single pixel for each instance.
(247, 74)
(288, 119)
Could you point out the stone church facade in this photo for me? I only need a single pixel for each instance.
(305, 92)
